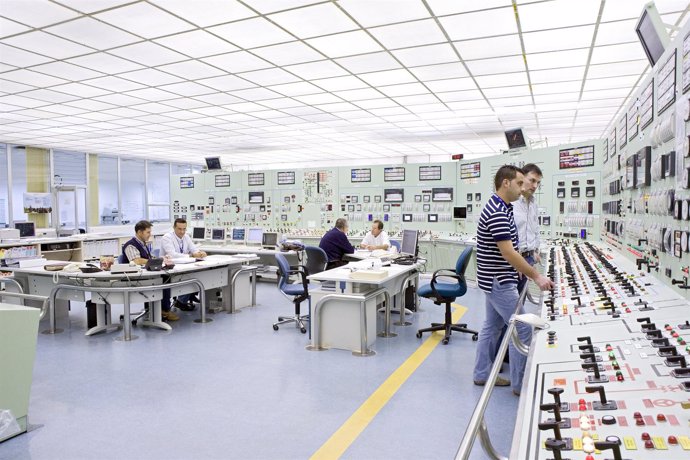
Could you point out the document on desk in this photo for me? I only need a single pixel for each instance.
(369, 275)
(184, 260)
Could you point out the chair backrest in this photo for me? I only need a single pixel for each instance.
(396, 245)
(463, 261)
(316, 259)
(284, 268)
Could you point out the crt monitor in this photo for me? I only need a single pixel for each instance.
(269, 240)
(213, 163)
(26, 229)
(218, 234)
(459, 212)
(409, 243)
(238, 234)
(198, 233)
(255, 236)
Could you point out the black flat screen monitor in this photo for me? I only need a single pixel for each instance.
(409, 243)
(515, 138)
(269, 240)
(26, 229)
(213, 163)
(238, 234)
(218, 234)
(198, 233)
(652, 34)
(459, 212)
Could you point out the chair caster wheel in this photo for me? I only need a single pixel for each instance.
(419, 335)
(445, 341)
(275, 327)
(134, 323)
(475, 337)
(303, 330)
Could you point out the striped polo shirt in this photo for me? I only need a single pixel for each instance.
(495, 224)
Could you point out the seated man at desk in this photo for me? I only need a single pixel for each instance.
(177, 244)
(376, 238)
(137, 250)
(336, 244)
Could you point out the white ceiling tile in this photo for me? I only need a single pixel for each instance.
(619, 68)
(454, 96)
(210, 13)
(473, 25)
(113, 84)
(81, 90)
(507, 91)
(632, 9)
(8, 27)
(145, 20)
(274, 76)
(615, 53)
(452, 84)
(185, 103)
(610, 33)
(408, 34)
(149, 54)
(505, 45)
(31, 78)
(67, 71)
(551, 88)
(90, 104)
(91, 6)
(46, 44)
(556, 75)
(197, 44)
(256, 94)
(35, 13)
(105, 63)
(340, 83)
(558, 39)
(380, 12)
(511, 101)
(358, 94)
(240, 61)
(388, 77)
(288, 53)
(226, 83)
(118, 99)
(251, 33)
(13, 87)
(496, 65)
(217, 98)
(315, 70)
(95, 34)
(404, 89)
(557, 14)
(626, 82)
(48, 95)
(555, 59)
(153, 107)
(369, 63)
(444, 7)
(187, 88)
(426, 55)
(312, 21)
(151, 77)
(345, 44)
(20, 58)
(296, 89)
(439, 71)
(191, 70)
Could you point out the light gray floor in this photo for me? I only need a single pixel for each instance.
(234, 388)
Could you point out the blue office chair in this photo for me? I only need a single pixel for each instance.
(296, 292)
(445, 293)
(396, 245)
(316, 259)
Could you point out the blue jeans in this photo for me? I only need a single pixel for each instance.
(500, 306)
(523, 279)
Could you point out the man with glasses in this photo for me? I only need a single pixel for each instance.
(526, 217)
(335, 244)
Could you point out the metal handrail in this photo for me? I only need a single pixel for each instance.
(242, 270)
(125, 291)
(13, 281)
(45, 301)
(477, 424)
(362, 299)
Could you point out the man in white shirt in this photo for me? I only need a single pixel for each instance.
(526, 217)
(376, 238)
(178, 244)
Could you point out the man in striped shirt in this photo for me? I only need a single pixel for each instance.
(498, 264)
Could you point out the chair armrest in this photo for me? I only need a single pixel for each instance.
(444, 273)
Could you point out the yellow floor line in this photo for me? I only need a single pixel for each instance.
(341, 440)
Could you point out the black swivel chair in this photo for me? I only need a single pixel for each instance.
(446, 293)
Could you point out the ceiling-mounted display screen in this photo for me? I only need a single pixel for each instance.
(394, 174)
(360, 175)
(470, 170)
(255, 179)
(429, 173)
(652, 34)
(515, 138)
(578, 157)
(286, 177)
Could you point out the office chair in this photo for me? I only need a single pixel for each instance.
(446, 293)
(121, 259)
(316, 259)
(396, 245)
(295, 292)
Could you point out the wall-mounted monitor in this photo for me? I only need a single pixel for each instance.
(360, 175)
(393, 195)
(187, 182)
(255, 179)
(652, 33)
(459, 212)
(394, 174)
(218, 234)
(286, 177)
(213, 163)
(198, 233)
(470, 170)
(256, 197)
(238, 234)
(442, 194)
(26, 229)
(577, 157)
(222, 180)
(429, 173)
(515, 138)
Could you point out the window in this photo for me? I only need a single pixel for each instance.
(133, 178)
(69, 168)
(18, 155)
(4, 195)
(108, 204)
(159, 191)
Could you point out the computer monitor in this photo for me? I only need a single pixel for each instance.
(218, 234)
(255, 236)
(409, 243)
(26, 229)
(515, 138)
(459, 212)
(269, 240)
(652, 33)
(238, 235)
(213, 163)
(198, 233)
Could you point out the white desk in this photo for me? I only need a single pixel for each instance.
(217, 272)
(360, 293)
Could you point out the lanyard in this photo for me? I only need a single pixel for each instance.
(181, 242)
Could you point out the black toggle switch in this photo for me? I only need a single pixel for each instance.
(590, 357)
(603, 403)
(556, 393)
(673, 361)
(597, 377)
(555, 446)
(681, 372)
(552, 426)
(669, 350)
(607, 445)
(653, 333)
(662, 342)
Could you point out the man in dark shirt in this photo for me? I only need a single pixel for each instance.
(336, 244)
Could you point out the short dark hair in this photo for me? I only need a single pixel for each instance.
(379, 224)
(340, 223)
(179, 220)
(531, 167)
(142, 225)
(505, 172)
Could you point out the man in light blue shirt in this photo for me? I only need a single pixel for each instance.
(178, 244)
